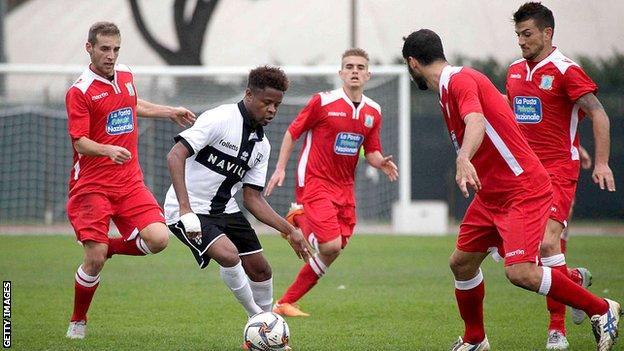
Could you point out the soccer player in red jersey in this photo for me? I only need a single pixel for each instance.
(550, 94)
(335, 124)
(513, 195)
(106, 181)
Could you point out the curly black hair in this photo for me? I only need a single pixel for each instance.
(267, 76)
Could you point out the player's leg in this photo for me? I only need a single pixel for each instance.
(325, 234)
(139, 219)
(476, 236)
(89, 215)
(257, 268)
(521, 227)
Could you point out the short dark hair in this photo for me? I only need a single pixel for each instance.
(267, 76)
(542, 16)
(423, 45)
(103, 28)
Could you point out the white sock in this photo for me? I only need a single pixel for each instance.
(236, 279)
(263, 293)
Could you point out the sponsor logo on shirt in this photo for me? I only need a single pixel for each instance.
(244, 155)
(336, 114)
(514, 253)
(130, 89)
(120, 121)
(515, 76)
(348, 143)
(528, 109)
(369, 120)
(547, 82)
(225, 167)
(228, 145)
(99, 96)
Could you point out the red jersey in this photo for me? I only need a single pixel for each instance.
(504, 162)
(336, 130)
(544, 104)
(105, 112)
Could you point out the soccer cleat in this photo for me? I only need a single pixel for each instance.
(294, 210)
(581, 276)
(289, 310)
(460, 345)
(605, 327)
(77, 330)
(556, 341)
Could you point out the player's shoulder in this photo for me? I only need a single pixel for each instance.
(372, 103)
(561, 61)
(82, 83)
(221, 114)
(122, 68)
(517, 64)
(327, 97)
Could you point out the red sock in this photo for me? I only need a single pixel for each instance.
(470, 303)
(557, 310)
(566, 291)
(118, 246)
(84, 289)
(305, 280)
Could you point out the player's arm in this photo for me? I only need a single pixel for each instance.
(88, 147)
(288, 144)
(259, 208)
(179, 115)
(602, 174)
(379, 161)
(473, 136)
(176, 162)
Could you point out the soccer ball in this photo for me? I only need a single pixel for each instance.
(266, 331)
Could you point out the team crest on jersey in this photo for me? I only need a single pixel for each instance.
(120, 121)
(369, 120)
(130, 89)
(244, 155)
(547, 82)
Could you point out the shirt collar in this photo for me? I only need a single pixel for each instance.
(259, 131)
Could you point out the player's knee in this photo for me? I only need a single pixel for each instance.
(93, 263)
(331, 249)
(522, 276)
(460, 266)
(260, 273)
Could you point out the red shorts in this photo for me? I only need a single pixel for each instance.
(515, 227)
(132, 210)
(328, 221)
(564, 190)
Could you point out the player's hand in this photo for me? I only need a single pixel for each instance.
(118, 154)
(192, 226)
(603, 176)
(276, 179)
(182, 117)
(466, 175)
(389, 168)
(299, 244)
(586, 160)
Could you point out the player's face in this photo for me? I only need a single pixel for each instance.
(417, 78)
(534, 43)
(104, 54)
(354, 72)
(263, 104)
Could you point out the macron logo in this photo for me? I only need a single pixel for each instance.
(515, 253)
(515, 76)
(336, 114)
(99, 96)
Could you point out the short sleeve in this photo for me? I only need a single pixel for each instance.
(372, 142)
(78, 116)
(307, 118)
(206, 130)
(578, 83)
(256, 176)
(464, 89)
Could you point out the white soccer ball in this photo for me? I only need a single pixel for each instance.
(266, 331)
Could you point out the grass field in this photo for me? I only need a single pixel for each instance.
(398, 295)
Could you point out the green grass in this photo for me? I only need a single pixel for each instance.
(398, 296)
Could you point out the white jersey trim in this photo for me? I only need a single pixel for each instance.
(574, 119)
(557, 58)
(502, 148)
(303, 162)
